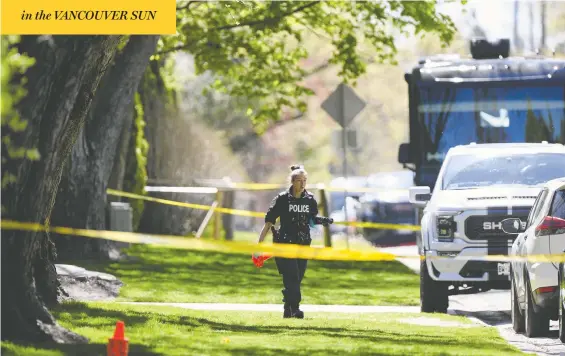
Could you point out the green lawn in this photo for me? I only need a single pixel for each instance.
(174, 331)
(172, 275)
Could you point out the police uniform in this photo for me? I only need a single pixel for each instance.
(296, 217)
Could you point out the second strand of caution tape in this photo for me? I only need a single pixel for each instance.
(257, 214)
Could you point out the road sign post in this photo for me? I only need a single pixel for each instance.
(343, 105)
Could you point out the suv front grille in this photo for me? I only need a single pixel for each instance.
(488, 227)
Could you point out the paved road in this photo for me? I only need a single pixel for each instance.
(492, 308)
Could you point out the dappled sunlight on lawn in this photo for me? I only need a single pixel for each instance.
(174, 331)
(169, 275)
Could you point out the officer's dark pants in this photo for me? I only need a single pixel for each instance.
(292, 271)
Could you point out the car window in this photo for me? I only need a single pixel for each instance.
(536, 208)
(542, 207)
(533, 209)
(558, 204)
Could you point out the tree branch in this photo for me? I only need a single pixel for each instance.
(187, 5)
(326, 65)
(243, 24)
(175, 48)
(318, 69)
(267, 20)
(239, 142)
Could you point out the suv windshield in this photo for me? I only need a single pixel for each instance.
(502, 168)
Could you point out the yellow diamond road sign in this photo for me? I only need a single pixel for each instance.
(343, 105)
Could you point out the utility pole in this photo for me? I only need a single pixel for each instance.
(543, 27)
(344, 149)
(517, 43)
(343, 105)
(531, 13)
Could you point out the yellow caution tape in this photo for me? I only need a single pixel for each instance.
(186, 205)
(256, 214)
(277, 250)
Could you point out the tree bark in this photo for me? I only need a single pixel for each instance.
(118, 172)
(82, 196)
(162, 127)
(154, 99)
(60, 89)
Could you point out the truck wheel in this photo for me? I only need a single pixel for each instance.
(433, 294)
(537, 324)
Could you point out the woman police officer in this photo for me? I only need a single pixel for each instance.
(298, 210)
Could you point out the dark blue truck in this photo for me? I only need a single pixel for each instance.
(491, 97)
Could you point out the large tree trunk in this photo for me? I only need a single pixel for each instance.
(161, 115)
(81, 201)
(60, 87)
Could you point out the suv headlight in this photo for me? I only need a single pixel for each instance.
(446, 228)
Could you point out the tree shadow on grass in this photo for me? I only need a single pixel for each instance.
(200, 274)
(82, 350)
(84, 316)
(103, 318)
(378, 336)
(161, 260)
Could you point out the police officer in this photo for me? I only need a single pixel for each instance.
(298, 210)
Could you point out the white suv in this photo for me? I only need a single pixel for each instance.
(534, 293)
(478, 186)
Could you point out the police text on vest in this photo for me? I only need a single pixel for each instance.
(295, 208)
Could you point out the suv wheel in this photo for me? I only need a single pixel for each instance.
(433, 294)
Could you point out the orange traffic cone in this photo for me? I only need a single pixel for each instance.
(118, 345)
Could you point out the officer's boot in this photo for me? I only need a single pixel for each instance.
(292, 311)
(299, 314)
(287, 313)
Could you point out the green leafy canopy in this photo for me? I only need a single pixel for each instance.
(255, 48)
(14, 65)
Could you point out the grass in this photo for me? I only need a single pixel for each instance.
(174, 331)
(172, 275)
